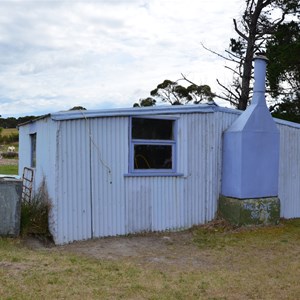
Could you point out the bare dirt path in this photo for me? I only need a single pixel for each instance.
(159, 250)
(168, 250)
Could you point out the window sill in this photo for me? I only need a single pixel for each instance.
(153, 174)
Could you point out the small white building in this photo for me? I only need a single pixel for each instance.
(113, 172)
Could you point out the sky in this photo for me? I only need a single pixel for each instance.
(107, 53)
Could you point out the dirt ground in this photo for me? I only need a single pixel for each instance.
(159, 250)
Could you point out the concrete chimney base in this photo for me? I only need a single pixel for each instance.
(258, 211)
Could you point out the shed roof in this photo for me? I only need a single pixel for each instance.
(144, 111)
(138, 111)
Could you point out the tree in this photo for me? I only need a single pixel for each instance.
(77, 108)
(256, 26)
(288, 109)
(171, 92)
(283, 50)
(175, 94)
(145, 102)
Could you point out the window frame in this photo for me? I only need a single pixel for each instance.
(172, 143)
(33, 143)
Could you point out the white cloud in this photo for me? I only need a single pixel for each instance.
(57, 54)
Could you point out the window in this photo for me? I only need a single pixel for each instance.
(33, 150)
(153, 145)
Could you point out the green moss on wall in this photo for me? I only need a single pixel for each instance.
(250, 211)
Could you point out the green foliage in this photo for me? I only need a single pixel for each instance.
(145, 102)
(287, 110)
(10, 154)
(35, 213)
(9, 169)
(200, 93)
(12, 122)
(284, 70)
(171, 92)
(77, 108)
(8, 139)
(175, 94)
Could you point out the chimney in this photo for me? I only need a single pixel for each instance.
(250, 163)
(251, 147)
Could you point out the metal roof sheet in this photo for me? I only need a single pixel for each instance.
(121, 112)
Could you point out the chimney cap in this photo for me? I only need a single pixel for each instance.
(261, 55)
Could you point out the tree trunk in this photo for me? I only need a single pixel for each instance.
(251, 39)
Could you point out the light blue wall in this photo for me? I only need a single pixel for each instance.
(251, 147)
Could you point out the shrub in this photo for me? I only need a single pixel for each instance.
(10, 154)
(35, 213)
(12, 137)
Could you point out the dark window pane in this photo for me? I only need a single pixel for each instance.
(152, 129)
(33, 150)
(152, 157)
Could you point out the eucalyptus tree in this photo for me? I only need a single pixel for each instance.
(173, 93)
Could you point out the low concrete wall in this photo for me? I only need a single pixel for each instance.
(10, 206)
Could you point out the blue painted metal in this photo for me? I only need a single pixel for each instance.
(173, 143)
(251, 147)
(140, 111)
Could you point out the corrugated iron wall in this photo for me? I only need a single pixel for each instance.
(93, 194)
(109, 157)
(98, 198)
(73, 196)
(289, 171)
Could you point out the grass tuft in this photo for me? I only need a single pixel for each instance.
(35, 213)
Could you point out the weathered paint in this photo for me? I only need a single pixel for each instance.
(251, 148)
(85, 161)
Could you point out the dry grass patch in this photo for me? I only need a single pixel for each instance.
(214, 261)
(9, 131)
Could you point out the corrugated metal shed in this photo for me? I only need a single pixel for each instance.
(289, 169)
(84, 156)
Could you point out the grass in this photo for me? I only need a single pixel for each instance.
(259, 263)
(8, 131)
(9, 169)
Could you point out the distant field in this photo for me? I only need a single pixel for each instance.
(8, 131)
(9, 169)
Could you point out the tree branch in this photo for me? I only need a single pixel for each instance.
(238, 31)
(234, 71)
(216, 53)
(228, 91)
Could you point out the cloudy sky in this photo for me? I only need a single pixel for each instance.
(106, 53)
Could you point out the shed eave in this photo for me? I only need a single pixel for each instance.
(34, 120)
(138, 111)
